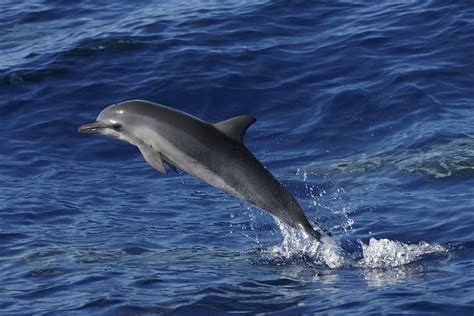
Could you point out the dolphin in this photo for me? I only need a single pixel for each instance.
(214, 153)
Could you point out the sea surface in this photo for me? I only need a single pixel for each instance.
(365, 112)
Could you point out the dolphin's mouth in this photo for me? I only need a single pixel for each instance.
(92, 128)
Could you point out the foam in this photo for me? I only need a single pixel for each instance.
(391, 253)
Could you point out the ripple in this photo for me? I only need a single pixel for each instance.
(91, 47)
(33, 76)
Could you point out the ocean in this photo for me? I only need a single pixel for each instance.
(365, 112)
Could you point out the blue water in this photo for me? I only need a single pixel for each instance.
(365, 112)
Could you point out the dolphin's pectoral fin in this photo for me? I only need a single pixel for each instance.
(169, 163)
(172, 167)
(235, 127)
(153, 158)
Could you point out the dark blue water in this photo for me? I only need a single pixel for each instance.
(365, 112)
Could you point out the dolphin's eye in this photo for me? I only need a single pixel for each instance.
(117, 127)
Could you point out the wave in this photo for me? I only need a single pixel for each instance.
(90, 47)
(56, 65)
(32, 75)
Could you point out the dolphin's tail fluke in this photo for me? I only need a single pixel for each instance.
(314, 233)
(317, 234)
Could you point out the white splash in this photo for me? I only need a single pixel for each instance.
(297, 244)
(389, 253)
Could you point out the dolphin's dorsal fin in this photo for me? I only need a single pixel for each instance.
(153, 158)
(235, 127)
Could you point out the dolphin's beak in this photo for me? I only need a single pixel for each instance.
(92, 128)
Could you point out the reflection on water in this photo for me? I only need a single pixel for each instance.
(383, 276)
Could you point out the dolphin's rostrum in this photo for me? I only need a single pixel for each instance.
(214, 153)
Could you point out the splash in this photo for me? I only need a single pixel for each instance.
(328, 201)
(389, 253)
(382, 253)
(298, 245)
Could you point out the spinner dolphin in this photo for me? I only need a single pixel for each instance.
(214, 153)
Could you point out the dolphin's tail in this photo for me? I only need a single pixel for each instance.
(314, 233)
(317, 233)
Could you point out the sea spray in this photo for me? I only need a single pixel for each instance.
(391, 253)
(297, 244)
